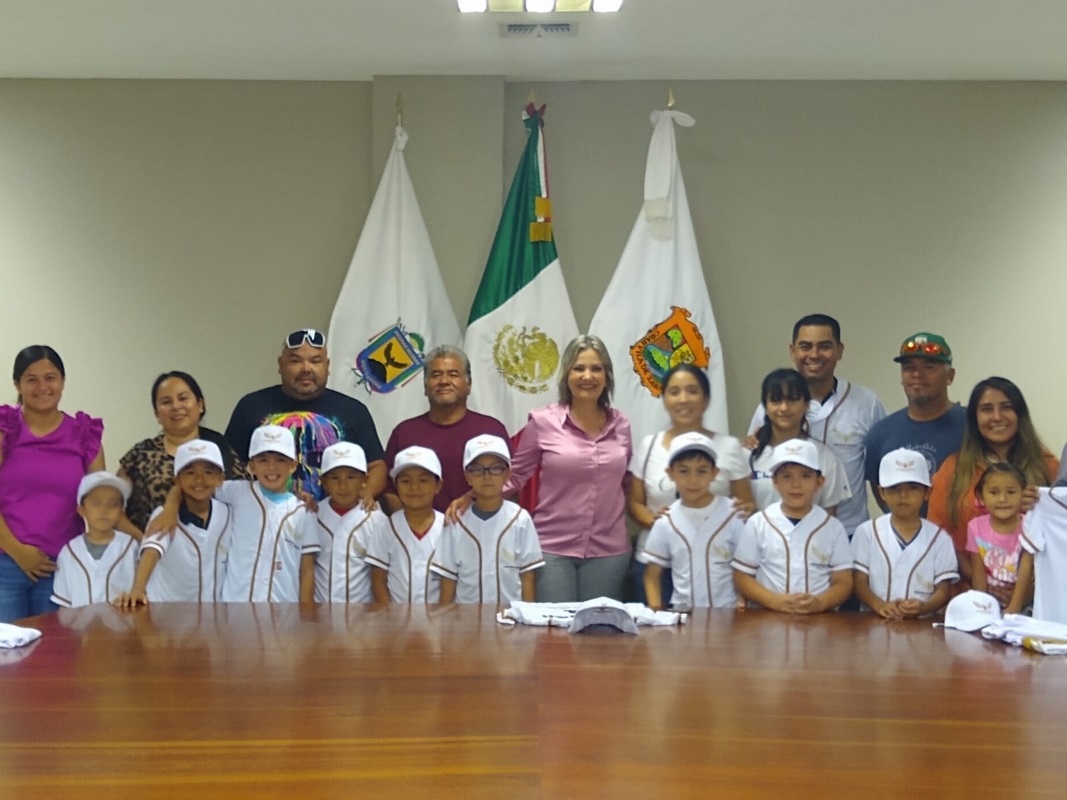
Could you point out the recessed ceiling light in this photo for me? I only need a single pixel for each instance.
(538, 6)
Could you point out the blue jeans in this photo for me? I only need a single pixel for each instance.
(19, 596)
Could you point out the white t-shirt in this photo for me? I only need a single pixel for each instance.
(903, 573)
(697, 544)
(842, 423)
(82, 580)
(265, 545)
(192, 561)
(341, 573)
(787, 558)
(649, 465)
(833, 491)
(407, 558)
(487, 557)
(1045, 536)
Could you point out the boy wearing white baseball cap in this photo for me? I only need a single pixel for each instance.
(190, 565)
(904, 565)
(343, 528)
(400, 554)
(490, 555)
(793, 557)
(268, 559)
(97, 566)
(696, 536)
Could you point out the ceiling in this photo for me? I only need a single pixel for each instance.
(648, 39)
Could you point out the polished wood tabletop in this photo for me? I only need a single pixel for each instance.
(242, 700)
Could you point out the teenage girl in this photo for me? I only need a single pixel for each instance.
(785, 398)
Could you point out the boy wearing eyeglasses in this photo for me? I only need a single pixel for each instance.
(491, 553)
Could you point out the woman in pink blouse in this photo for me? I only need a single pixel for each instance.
(582, 447)
(45, 453)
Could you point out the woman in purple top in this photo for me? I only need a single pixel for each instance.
(582, 447)
(44, 453)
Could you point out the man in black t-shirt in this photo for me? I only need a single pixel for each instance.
(317, 416)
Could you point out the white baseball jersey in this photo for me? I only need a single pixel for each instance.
(341, 574)
(81, 580)
(263, 564)
(903, 573)
(486, 557)
(407, 558)
(1045, 536)
(833, 491)
(787, 558)
(696, 544)
(842, 423)
(192, 561)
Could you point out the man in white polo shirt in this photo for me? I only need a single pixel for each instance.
(841, 413)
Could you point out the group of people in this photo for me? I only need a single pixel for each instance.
(298, 500)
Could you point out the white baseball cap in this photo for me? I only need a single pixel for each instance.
(486, 445)
(903, 466)
(416, 456)
(693, 441)
(197, 450)
(343, 454)
(94, 480)
(603, 611)
(972, 610)
(796, 451)
(272, 439)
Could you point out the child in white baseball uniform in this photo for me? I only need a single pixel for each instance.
(793, 557)
(97, 566)
(490, 555)
(190, 564)
(400, 554)
(268, 560)
(993, 539)
(695, 538)
(904, 565)
(342, 528)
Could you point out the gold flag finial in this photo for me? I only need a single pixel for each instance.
(400, 109)
(670, 98)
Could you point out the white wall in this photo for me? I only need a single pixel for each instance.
(157, 225)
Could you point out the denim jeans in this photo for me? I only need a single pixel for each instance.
(19, 596)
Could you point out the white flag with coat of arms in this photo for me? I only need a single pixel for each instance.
(656, 312)
(393, 307)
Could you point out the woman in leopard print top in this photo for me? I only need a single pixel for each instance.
(149, 465)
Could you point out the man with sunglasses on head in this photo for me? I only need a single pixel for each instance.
(930, 424)
(317, 416)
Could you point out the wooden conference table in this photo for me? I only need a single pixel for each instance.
(288, 701)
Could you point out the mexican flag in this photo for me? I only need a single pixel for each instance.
(393, 307)
(521, 318)
(656, 311)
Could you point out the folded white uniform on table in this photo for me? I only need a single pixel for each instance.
(1035, 634)
(600, 609)
(15, 636)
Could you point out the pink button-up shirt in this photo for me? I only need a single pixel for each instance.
(581, 497)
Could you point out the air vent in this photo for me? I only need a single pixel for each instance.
(534, 30)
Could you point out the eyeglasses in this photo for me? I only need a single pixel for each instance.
(932, 349)
(477, 470)
(310, 335)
